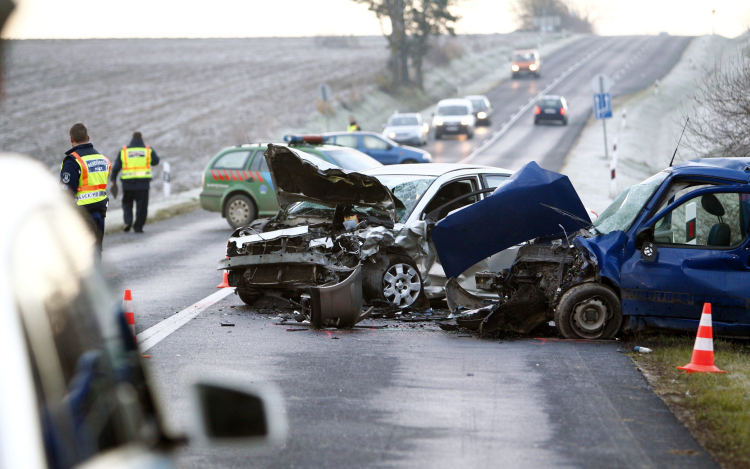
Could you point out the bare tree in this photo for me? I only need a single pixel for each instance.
(426, 18)
(719, 111)
(409, 25)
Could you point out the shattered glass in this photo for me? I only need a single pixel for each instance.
(407, 189)
(626, 206)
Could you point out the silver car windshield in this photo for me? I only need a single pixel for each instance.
(408, 189)
(398, 121)
(623, 211)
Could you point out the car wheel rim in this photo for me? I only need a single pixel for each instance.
(401, 285)
(239, 212)
(589, 318)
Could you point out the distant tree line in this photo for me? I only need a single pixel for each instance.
(408, 26)
(574, 16)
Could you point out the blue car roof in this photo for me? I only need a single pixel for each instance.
(736, 169)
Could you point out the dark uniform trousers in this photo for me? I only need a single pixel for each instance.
(140, 197)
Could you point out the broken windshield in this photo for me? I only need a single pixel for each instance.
(407, 189)
(626, 206)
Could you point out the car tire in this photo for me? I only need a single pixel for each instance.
(438, 136)
(565, 121)
(470, 135)
(249, 298)
(398, 282)
(409, 161)
(240, 211)
(536, 121)
(589, 311)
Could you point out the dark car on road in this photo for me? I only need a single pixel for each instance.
(381, 148)
(551, 109)
(482, 109)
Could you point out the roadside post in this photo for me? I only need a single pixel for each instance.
(324, 93)
(166, 172)
(601, 85)
(613, 171)
(691, 223)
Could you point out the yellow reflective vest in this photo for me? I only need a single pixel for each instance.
(136, 163)
(92, 184)
(353, 128)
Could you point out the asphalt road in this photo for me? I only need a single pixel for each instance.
(634, 62)
(409, 395)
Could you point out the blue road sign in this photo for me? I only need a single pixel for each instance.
(602, 106)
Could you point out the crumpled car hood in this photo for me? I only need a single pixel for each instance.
(297, 179)
(528, 205)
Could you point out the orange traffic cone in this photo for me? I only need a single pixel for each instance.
(225, 281)
(127, 311)
(703, 351)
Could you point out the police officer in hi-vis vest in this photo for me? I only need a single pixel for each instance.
(84, 172)
(135, 161)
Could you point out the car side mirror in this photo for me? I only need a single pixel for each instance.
(229, 412)
(649, 252)
(643, 235)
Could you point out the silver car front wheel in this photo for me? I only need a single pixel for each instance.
(401, 284)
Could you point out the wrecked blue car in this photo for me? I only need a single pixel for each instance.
(661, 250)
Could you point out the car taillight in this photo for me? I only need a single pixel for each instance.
(537, 110)
(562, 111)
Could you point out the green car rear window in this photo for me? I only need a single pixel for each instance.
(232, 160)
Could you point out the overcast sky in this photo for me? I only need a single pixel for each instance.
(249, 18)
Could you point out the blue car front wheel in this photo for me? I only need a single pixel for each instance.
(589, 311)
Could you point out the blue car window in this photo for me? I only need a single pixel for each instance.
(713, 219)
(371, 142)
(232, 160)
(347, 141)
(623, 211)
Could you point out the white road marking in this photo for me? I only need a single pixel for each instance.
(528, 105)
(155, 334)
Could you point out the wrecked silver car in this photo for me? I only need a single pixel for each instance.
(334, 222)
(662, 249)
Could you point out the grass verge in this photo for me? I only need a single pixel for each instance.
(714, 407)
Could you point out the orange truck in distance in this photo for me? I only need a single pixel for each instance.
(526, 62)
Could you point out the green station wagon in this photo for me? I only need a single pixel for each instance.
(237, 183)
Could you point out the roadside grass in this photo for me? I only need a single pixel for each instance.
(715, 407)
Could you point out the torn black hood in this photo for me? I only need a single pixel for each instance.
(531, 204)
(297, 179)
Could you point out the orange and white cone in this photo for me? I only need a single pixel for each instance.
(225, 281)
(127, 311)
(703, 351)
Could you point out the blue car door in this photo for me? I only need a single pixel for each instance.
(379, 149)
(702, 256)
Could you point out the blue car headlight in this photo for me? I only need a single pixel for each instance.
(427, 157)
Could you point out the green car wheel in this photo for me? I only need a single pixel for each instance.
(240, 211)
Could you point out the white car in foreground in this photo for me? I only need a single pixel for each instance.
(73, 392)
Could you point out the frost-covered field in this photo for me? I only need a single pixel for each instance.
(188, 97)
(192, 97)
